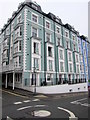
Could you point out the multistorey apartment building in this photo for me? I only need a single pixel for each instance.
(38, 46)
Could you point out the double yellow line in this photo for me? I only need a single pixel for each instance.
(15, 94)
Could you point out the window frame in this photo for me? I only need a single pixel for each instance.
(35, 15)
(48, 23)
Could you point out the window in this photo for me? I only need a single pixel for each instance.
(34, 32)
(50, 65)
(50, 51)
(19, 19)
(77, 59)
(34, 18)
(83, 44)
(20, 45)
(49, 77)
(12, 26)
(61, 54)
(74, 47)
(48, 37)
(84, 53)
(81, 67)
(19, 60)
(20, 31)
(77, 68)
(73, 37)
(58, 30)
(78, 41)
(66, 34)
(62, 66)
(47, 24)
(70, 57)
(86, 69)
(70, 66)
(59, 43)
(11, 52)
(36, 47)
(67, 44)
(36, 63)
(16, 47)
(79, 50)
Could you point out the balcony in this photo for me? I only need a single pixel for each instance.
(5, 46)
(18, 25)
(5, 58)
(17, 38)
(5, 68)
(18, 53)
(6, 36)
(11, 67)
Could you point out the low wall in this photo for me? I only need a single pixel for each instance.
(56, 89)
(62, 88)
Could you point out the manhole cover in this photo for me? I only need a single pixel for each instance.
(41, 113)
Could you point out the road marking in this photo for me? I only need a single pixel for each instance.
(8, 118)
(35, 100)
(79, 100)
(39, 105)
(70, 113)
(26, 101)
(22, 108)
(86, 104)
(15, 94)
(41, 113)
(16, 103)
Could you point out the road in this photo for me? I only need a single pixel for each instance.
(18, 106)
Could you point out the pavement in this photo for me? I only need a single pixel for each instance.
(29, 94)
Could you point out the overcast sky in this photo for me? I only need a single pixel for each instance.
(74, 12)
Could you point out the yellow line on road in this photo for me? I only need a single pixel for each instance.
(15, 94)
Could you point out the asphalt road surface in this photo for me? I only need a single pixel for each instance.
(42, 106)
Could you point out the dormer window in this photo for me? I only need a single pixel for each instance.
(34, 6)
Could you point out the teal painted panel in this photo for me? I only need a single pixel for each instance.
(66, 61)
(26, 78)
(74, 63)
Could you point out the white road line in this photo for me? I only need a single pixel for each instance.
(16, 103)
(70, 113)
(79, 100)
(39, 105)
(8, 118)
(24, 108)
(26, 101)
(86, 104)
(35, 100)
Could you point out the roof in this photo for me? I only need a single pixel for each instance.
(49, 15)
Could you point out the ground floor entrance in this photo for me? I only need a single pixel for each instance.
(11, 79)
